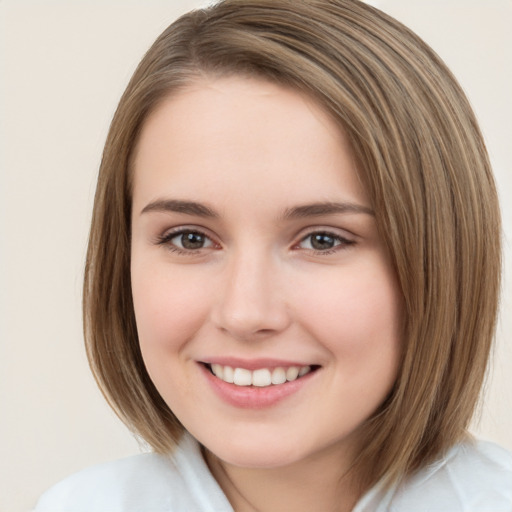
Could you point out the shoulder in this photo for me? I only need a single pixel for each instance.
(106, 486)
(149, 482)
(473, 477)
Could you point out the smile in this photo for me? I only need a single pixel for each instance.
(257, 384)
(261, 377)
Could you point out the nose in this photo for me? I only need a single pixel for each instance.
(252, 303)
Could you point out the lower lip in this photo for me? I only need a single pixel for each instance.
(253, 397)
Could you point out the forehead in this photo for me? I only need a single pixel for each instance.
(214, 105)
(238, 133)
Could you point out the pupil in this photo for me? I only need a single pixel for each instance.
(322, 242)
(192, 240)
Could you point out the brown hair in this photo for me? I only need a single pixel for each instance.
(423, 161)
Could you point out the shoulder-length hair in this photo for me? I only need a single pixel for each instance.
(423, 161)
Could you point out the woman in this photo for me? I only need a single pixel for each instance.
(292, 273)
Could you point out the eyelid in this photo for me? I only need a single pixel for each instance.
(345, 238)
(165, 238)
(328, 230)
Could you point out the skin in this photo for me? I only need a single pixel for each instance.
(251, 152)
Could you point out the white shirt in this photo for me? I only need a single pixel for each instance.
(473, 477)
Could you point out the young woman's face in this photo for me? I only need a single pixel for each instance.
(255, 256)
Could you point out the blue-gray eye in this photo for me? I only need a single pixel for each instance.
(191, 240)
(323, 241)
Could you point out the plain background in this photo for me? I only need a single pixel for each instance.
(63, 67)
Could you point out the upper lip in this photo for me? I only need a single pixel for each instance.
(253, 364)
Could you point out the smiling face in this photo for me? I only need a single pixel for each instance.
(256, 259)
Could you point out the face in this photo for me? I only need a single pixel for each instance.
(267, 309)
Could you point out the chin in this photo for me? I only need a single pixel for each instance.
(261, 454)
(257, 459)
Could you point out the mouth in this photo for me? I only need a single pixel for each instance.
(260, 377)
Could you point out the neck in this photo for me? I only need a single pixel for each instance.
(321, 482)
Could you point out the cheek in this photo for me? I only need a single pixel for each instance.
(168, 308)
(358, 320)
(169, 311)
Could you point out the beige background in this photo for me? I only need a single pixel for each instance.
(63, 66)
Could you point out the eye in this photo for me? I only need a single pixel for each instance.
(186, 240)
(325, 242)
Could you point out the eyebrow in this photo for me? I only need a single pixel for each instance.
(328, 208)
(178, 206)
(297, 212)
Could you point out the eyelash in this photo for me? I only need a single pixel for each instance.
(167, 238)
(341, 242)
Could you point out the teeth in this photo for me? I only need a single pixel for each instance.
(218, 370)
(262, 377)
(304, 370)
(278, 376)
(227, 374)
(242, 377)
(292, 373)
